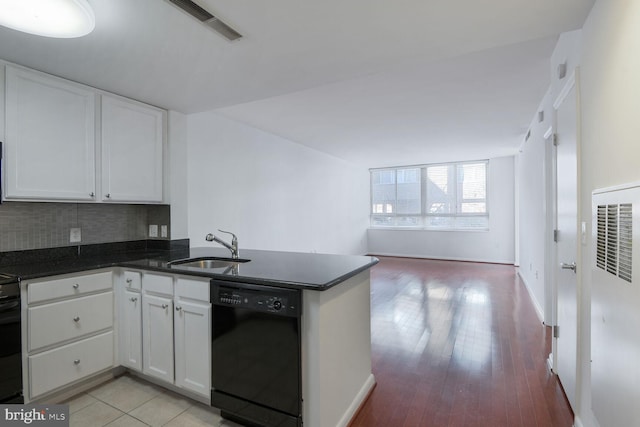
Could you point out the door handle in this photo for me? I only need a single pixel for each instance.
(571, 266)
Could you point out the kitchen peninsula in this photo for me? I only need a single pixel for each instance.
(335, 340)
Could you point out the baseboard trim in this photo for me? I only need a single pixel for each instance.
(536, 304)
(437, 258)
(357, 402)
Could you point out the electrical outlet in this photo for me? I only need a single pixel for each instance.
(164, 231)
(153, 230)
(75, 235)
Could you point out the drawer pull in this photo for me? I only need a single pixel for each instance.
(129, 281)
(178, 308)
(76, 319)
(133, 299)
(76, 286)
(76, 362)
(165, 305)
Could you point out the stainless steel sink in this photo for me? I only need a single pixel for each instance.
(208, 262)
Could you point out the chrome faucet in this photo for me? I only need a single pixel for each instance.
(233, 247)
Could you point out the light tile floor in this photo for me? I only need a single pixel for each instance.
(128, 401)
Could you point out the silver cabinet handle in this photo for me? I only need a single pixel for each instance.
(165, 305)
(108, 195)
(76, 319)
(76, 362)
(133, 299)
(571, 266)
(178, 308)
(92, 194)
(76, 286)
(129, 281)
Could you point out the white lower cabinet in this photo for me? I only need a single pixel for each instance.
(69, 330)
(175, 332)
(192, 343)
(164, 329)
(131, 330)
(157, 336)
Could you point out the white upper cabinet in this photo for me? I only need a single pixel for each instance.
(132, 141)
(65, 144)
(50, 138)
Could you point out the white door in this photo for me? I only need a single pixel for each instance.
(50, 138)
(131, 330)
(157, 335)
(567, 240)
(193, 340)
(132, 141)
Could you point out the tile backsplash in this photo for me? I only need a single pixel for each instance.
(33, 225)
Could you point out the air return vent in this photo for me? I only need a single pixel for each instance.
(614, 237)
(207, 18)
(614, 302)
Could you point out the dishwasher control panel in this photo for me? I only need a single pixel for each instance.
(268, 299)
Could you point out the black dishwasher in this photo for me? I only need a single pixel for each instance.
(255, 354)
(11, 348)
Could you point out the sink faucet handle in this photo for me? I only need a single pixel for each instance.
(234, 238)
(209, 237)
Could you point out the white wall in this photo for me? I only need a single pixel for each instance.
(496, 245)
(610, 108)
(176, 175)
(532, 179)
(273, 193)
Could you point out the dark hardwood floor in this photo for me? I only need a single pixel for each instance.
(458, 344)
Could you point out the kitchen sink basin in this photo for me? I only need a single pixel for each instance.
(208, 262)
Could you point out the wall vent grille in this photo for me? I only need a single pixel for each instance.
(614, 238)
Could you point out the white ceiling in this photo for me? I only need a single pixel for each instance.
(375, 82)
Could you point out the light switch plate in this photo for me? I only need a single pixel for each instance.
(153, 230)
(163, 231)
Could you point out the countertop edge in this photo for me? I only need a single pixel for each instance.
(132, 264)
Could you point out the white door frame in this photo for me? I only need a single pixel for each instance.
(552, 253)
(551, 224)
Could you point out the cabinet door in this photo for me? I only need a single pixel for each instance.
(193, 346)
(131, 330)
(157, 335)
(50, 138)
(132, 141)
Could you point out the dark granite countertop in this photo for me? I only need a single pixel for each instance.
(283, 269)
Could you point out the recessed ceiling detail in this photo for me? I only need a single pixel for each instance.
(207, 18)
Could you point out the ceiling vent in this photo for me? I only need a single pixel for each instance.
(207, 18)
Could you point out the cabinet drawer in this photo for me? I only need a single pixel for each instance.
(68, 286)
(132, 280)
(156, 283)
(197, 289)
(59, 321)
(63, 365)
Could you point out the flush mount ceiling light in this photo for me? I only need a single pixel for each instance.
(48, 18)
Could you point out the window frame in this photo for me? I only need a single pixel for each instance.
(424, 215)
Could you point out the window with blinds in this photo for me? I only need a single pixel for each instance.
(451, 196)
